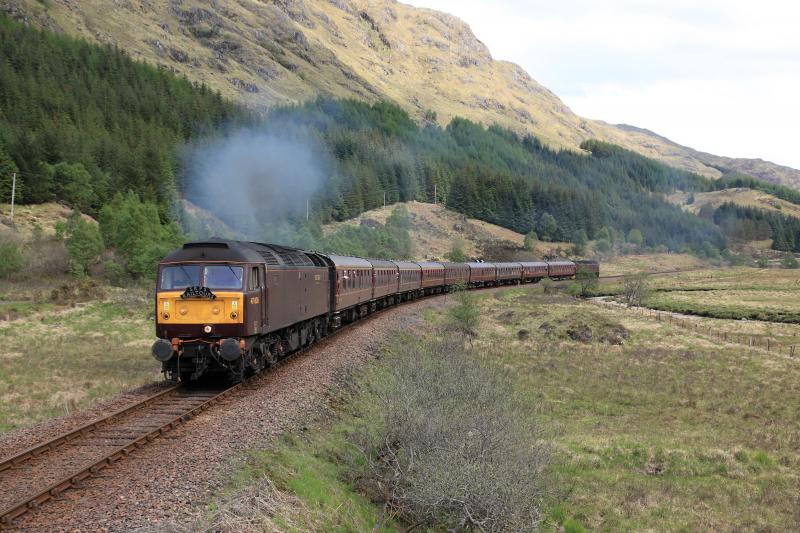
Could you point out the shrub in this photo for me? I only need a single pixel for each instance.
(448, 442)
(456, 253)
(548, 286)
(12, 260)
(602, 245)
(531, 238)
(635, 237)
(789, 262)
(573, 289)
(465, 315)
(84, 245)
(587, 281)
(48, 257)
(114, 272)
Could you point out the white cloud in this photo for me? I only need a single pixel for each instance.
(720, 76)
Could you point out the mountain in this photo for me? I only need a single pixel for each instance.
(271, 53)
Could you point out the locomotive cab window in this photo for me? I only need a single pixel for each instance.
(254, 280)
(179, 277)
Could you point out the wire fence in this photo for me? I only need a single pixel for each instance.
(694, 324)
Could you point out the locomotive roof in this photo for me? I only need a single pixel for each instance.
(223, 250)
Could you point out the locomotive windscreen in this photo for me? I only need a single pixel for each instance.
(212, 276)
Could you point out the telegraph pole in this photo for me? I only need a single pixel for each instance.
(384, 199)
(307, 210)
(13, 193)
(434, 194)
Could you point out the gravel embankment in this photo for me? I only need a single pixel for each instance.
(173, 477)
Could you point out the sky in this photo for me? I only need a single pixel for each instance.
(721, 76)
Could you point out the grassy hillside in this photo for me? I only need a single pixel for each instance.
(436, 230)
(739, 196)
(266, 54)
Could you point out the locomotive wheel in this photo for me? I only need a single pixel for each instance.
(280, 350)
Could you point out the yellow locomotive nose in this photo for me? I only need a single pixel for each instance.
(224, 309)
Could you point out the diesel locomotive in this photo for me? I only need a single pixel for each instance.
(236, 307)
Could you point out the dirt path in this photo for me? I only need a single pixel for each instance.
(173, 478)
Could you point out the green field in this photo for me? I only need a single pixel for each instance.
(738, 293)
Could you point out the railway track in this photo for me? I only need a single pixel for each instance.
(45, 471)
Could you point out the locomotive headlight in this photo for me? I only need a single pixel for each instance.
(165, 316)
(234, 314)
(207, 329)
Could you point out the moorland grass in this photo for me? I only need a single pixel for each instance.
(742, 293)
(669, 431)
(58, 359)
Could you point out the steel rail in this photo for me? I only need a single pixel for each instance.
(75, 479)
(66, 437)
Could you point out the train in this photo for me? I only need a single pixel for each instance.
(234, 307)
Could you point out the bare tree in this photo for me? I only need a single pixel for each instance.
(634, 289)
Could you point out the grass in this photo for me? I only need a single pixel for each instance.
(657, 262)
(737, 293)
(669, 431)
(301, 477)
(772, 306)
(58, 358)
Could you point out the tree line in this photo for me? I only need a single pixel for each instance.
(88, 126)
(748, 223)
(79, 122)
